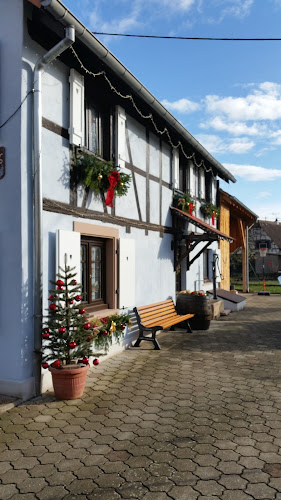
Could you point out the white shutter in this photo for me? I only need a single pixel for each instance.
(176, 168)
(127, 277)
(77, 109)
(68, 246)
(120, 136)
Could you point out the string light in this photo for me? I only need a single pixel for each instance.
(150, 117)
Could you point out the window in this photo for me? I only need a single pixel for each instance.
(184, 177)
(206, 276)
(93, 268)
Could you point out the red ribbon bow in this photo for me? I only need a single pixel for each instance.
(213, 218)
(113, 178)
(190, 208)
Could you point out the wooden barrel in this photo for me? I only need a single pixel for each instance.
(200, 306)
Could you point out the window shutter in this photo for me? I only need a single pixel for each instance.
(120, 136)
(127, 270)
(77, 109)
(176, 168)
(68, 244)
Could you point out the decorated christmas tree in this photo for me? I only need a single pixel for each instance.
(67, 334)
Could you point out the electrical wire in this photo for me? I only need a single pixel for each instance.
(18, 108)
(207, 38)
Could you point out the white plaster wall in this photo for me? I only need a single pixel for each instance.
(137, 139)
(154, 193)
(194, 277)
(15, 293)
(166, 163)
(154, 155)
(155, 278)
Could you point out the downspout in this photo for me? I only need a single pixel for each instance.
(37, 198)
(247, 260)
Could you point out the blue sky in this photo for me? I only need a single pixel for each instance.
(226, 94)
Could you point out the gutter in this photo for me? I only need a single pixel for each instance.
(37, 197)
(64, 16)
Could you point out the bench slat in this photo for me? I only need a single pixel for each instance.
(162, 312)
(169, 321)
(159, 320)
(141, 308)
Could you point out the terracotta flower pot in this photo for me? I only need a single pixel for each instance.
(69, 381)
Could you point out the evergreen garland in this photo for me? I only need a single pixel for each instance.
(184, 202)
(209, 209)
(92, 171)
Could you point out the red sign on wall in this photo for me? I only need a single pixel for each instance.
(2, 162)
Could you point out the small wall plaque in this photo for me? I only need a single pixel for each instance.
(2, 162)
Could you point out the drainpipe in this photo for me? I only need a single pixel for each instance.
(37, 198)
(247, 260)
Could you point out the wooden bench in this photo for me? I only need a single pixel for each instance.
(158, 316)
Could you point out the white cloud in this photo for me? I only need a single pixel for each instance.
(264, 103)
(234, 128)
(181, 106)
(215, 144)
(253, 173)
(183, 5)
(263, 194)
(237, 8)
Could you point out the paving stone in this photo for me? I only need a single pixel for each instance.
(7, 491)
(183, 493)
(32, 485)
(82, 486)
(209, 487)
(260, 491)
(109, 480)
(233, 482)
(207, 473)
(52, 492)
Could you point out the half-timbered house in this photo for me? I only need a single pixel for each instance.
(63, 94)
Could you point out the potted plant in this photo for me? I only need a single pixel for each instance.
(67, 337)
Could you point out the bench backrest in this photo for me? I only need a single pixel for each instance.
(153, 312)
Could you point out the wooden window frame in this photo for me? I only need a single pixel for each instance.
(91, 241)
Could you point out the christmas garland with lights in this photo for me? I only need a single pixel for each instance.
(184, 202)
(100, 176)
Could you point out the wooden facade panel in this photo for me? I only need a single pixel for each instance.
(224, 247)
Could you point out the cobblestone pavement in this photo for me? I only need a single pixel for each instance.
(198, 420)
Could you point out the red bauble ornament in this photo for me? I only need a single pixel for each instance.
(95, 362)
(62, 330)
(122, 327)
(45, 365)
(89, 338)
(52, 307)
(87, 326)
(51, 297)
(78, 298)
(45, 335)
(105, 333)
(85, 360)
(60, 283)
(82, 311)
(59, 287)
(56, 364)
(72, 345)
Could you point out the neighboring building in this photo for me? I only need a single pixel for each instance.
(235, 219)
(266, 234)
(130, 254)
